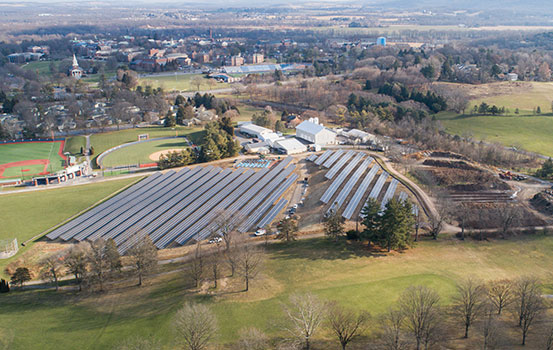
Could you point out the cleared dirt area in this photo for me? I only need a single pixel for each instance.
(156, 155)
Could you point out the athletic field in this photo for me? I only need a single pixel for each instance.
(30, 158)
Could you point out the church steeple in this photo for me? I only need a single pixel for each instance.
(75, 63)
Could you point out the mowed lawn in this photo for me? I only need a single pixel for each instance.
(532, 133)
(27, 214)
(73, 144)
(140, 153)
(104, 141)
(15, 152)
(182, 82)
(350, 275)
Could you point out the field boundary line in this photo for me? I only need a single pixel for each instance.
(82, 211)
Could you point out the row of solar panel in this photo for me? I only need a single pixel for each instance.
(177, 206)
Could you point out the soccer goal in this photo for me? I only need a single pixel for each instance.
(8, 248)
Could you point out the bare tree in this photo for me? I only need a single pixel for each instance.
(333, 225)
(491, 332)
(214, 262)
(524, 287)
(509, 216)
(393, 336)
(533, 307)
(501, 294)
(469, 302)
(346, 323)
(99, 263)
(249, 261)
(196, 325)
(306, 313)
(76, 262)
(197, 266)
(437, 222)
(144, 255)
(51, 268)
(420, 305)
(197, 81)
(252, 339)
(288, 229)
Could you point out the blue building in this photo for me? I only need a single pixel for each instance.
(381, 41)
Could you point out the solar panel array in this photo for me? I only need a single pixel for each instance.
(333, 158)
(378, 185)
(334, 170)
(389, 194)
(180, 206)
(273, 213)
(354, 202)
(350, 184)
(323, 157)
(312, 158)
(340, 179)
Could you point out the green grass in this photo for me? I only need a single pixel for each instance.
(139, 153)
(247, 111)
(104, 141)
(532, 133)
(340, 272)
(27, 214)
(14, 152)
(185, 83)
(42, 67)
(73, 144)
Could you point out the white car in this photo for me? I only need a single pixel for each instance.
(215, 240)
(260, 232)
(295, 206)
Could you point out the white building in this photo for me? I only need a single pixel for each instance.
(290, 146)
(254, 130)
(359, 136)
(311, 131)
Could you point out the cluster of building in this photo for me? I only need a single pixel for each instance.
(310, 135)
(33, 53)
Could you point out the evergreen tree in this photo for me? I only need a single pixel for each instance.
(396, 225)
(546, 169)
(170, 120)
(371, 221)
(180, 100)
(181, 115)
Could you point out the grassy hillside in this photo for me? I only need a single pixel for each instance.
(27, 214)
(182, 82)
(336, 271)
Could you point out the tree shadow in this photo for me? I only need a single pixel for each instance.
(323, 249)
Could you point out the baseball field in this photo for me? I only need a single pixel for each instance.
(25, 159)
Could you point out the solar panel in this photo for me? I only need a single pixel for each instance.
(402, 196)
(323, 157)
(185, 230)
(247, 224)
(378, 186)
(143, 193)
(327, 196)
(113, 200)
(334, 170)
(271, 215)
(389, 194)
(333, 158)
(350, 184)
(354, 202)
(98, 228)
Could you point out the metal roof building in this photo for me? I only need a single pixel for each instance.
(311, 131)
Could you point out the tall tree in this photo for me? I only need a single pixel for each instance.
(333, 225)
(469, 302)
(20, 276)
(144, 257)
(422, 314)
(196, 325)
(524, 287)
(170, 120)
(287, 229)
(346, 324)
(249, 261)
(397, 224)
(197, 266)
(501, 294)
(371, 221)
(51, 268)
(305, 313)
(76, 262)
(99, 263)
(393, 337)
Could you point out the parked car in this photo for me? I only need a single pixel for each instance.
(215, 240)
(260, 232)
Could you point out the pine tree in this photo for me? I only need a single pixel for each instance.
(371, 221)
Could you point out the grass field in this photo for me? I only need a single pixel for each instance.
(73, 144)
(42, 67)
(104, 141)
(17, 152)
(139, 153)
(27, 214)
(335, 271)
(185, 83)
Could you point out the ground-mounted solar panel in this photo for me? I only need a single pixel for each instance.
(203, 226)
(233, 209)
(123, 224)
(333, 158)
(223, 179)
(350, 184)
(389, 194)
(255, 216)
(113, 200)
(403, 196)
(323, 157)
(124, 231)
(336, 167)
(179, 211)
(105, 224)
(272, 214)
(188, 230)
(354, 202)
(375, 192)
(75, 233)
(329, 193)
